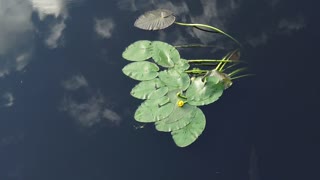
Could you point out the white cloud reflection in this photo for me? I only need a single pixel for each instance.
(16, 35)
(7, 100)
(104, 27)
(75, 82)
(93, 108)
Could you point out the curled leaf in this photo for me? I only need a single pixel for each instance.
(155, 20)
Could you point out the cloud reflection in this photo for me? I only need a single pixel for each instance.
(93, 108)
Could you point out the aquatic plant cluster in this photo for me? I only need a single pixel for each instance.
(171, 91)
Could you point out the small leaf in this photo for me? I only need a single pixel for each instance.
(203, 91)
(164, 54)
(188, 134)
(175, 79)
(155, 20)
(138, 51)
(141, 71)
(153, 110)
(152, 89)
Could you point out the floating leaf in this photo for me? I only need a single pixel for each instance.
(141, 71)
(164, 54)
(152, 89)
(153, 110)
(181, 65)
(175, 79)
(138, 51)
(203, 91)
(180, 116)
(155, 20)
(188, 134)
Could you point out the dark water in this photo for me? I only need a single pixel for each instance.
(66, 112)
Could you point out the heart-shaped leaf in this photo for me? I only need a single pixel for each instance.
(153, 110)
(164, 54)
(141, 71)
(180, 116)
(203, 91)
(187, 135)
(152, 89)
(175, 79)
(138, 51)
(155, 20)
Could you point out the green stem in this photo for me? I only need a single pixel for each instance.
(229, 67)
(196, 45)
(209, 27)
(245, 75)
(179, 94)
(196, 71)
(209, 60)
(237, 71)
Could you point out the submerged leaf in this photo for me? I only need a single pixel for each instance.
(187, 135)
(152, 89)
(141, 71)
(155, 20)
(138, 51)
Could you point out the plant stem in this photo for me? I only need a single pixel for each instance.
(245, 75)
(209, 60)
(209, 27)
(237, 71)
(196, 45)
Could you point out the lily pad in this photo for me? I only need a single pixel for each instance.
(175, 79)
(180, 116)
(188, 134)
(164, 54)
(152, 89)
(138, 51)
(153, 110)
(181, 65)
(141, 71)
(203, 91)
(155, 20)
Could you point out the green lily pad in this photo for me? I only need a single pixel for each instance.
(181, 65)
(141, 71)
(155, 20)
(152, 89)
(175, 79)
(164, 54)
(180, 116)
(187, 135)
(203, 91)
(138, 51)
(153, 110)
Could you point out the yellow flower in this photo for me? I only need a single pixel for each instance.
(180, 103)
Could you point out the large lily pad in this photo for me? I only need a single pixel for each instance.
(164, 54)
(141, 71)
(175, 79)
(188, 134)
(153, 110)
(203, 91)
(152, 89)
(155, 20)
(138, 51)
(180, 116)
